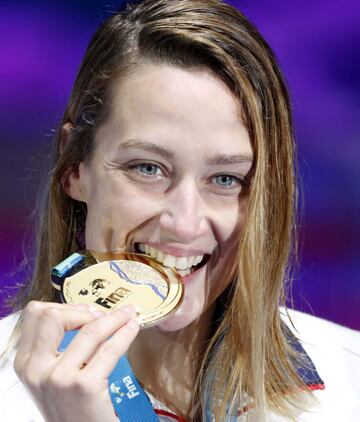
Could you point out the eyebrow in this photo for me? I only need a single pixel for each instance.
(150, 147)
(231, 159)
(157, 149)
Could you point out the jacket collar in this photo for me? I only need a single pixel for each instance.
(305, 367)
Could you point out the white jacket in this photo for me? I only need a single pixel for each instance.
(334, 350)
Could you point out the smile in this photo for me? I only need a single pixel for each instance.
(184, 265)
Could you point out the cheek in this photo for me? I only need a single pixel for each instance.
(224, 265)
(115, 209)
(229, 219)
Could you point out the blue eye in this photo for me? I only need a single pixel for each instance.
(148, 169)
(227, 180)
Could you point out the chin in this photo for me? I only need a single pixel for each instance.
(177, 321)
(189, 311)
(196, 301)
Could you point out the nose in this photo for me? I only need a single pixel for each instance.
(184, 216)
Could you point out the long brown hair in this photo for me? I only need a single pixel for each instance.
(249, 355)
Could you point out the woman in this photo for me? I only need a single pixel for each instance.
(176, 141)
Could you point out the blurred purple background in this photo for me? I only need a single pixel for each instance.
(317, 44)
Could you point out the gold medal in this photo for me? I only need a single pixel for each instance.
(122, 279)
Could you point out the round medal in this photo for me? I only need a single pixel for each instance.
(120, 279)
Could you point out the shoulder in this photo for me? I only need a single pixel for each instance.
(335, 352)
(312, 328)
(15, 402)
(327, 343)
(7, 325)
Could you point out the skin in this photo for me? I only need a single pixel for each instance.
(167, 170)
(61, 388)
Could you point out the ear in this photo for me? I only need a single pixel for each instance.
(73, 179)
(74, 183)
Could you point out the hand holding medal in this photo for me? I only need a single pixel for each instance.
(114, 283)
(62, 387)
(117, 288)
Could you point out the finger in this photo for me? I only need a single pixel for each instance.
(51, 326)
(29, 328)
(92, 335)
(109, 353)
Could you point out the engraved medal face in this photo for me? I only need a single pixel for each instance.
(126, 279)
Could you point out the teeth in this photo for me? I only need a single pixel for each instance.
(169, 261)
(184, 273)
(183, 263)
(141, 247)
(153, 252)
(191, 261)
(198, 259)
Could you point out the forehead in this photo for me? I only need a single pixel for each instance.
(171, 104)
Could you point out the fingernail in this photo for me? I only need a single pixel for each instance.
(92, 308)
(132, 323)
(130, 309)
(97, 314)
(81, 306)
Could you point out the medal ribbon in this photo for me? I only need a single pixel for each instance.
(130, 402)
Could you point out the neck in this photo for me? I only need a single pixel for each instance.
(167, 363)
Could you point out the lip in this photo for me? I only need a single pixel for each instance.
(174, 250)
(189, 278)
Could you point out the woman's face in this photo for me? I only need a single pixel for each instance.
(167, 172)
